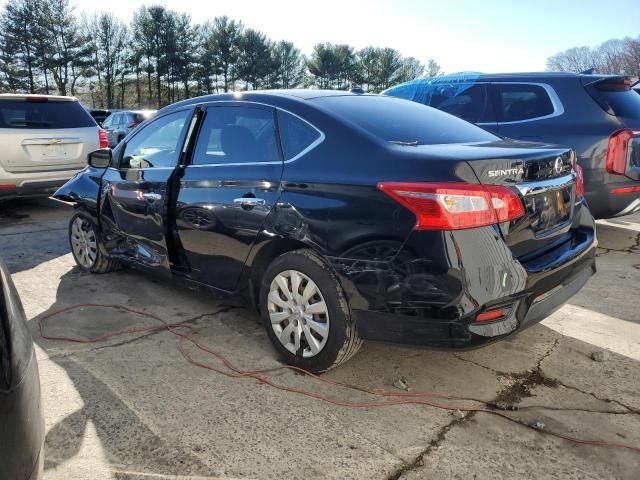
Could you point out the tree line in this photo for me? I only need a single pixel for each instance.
(162, 56)
(615, 56)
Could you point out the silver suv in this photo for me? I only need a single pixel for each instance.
(44, 141)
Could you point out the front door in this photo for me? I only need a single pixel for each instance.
(135, 191)
(227, 190)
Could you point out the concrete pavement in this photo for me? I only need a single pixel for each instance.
(132, 408)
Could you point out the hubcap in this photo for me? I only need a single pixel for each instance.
(298, 313)
(83, 242)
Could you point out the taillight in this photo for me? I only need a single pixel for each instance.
(104, 138)
(133, 125)
(489, 315)
(454, 206)
(622, 190)
(579, 181)
(618, 150)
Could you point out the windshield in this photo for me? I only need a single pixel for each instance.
(43, 115)
(403, 121)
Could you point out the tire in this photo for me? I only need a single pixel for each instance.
(86, 246)
(332, 318)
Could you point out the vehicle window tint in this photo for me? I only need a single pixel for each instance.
(396, 120)
(158, 144)
(623, 103)
(43, 114)
(236, 135)
(522, 102)
(472, 104)
(295, 134)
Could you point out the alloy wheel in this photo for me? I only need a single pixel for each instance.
(84, 242)
(298, 312)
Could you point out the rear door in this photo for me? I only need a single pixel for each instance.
(45, 134)
(135, 194)
(227, 190)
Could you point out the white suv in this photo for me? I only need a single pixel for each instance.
(44, 141)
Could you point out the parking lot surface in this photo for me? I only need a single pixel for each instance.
(131, 407)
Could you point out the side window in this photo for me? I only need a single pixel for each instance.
(107, 121)
(295, 134)
(472, 104)
(158, 144)
(522, 102)
(236, 135)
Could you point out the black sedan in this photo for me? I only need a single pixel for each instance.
(21, 421)
(341, 216)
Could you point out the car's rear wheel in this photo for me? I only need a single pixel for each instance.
(306, 313)
(86, 247)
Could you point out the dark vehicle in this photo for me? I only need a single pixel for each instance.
(21, 421)
(341, 216)
(597, 115)
(120, 123)
(99, 115)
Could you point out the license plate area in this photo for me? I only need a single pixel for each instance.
(550, 209)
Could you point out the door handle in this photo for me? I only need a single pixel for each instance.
(152, 197)
(249, 201)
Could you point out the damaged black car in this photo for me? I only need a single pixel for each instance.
(341, 216)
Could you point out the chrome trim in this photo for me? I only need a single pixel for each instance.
(249, 201)
(543, 186)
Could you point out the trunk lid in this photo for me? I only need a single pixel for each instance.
(546, 182)
(544, 178)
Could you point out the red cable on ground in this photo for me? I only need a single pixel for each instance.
(184, 333)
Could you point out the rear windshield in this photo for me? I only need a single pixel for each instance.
(403, 121)
(623, 104)
(43, 115)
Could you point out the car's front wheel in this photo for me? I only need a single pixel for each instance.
(86, 248)
(306, 313)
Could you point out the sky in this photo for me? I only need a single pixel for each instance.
(461, 35)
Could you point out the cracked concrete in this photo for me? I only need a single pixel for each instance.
(132, 408)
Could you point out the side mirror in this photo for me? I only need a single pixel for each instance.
(99, 158)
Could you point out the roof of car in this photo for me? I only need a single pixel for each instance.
(538, 76)
(23, 96)
(299, 94)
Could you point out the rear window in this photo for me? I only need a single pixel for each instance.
(295, 134)
(396, 120)
(43, 115)
(622, 104)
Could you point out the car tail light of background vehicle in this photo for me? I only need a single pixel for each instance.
(104, 140)
(618, 150)
(132, 125)
(455, 206)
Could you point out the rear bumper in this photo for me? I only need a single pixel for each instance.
(33, 184)
(432, 297)
(604, 204)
